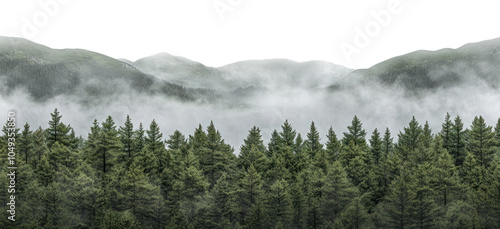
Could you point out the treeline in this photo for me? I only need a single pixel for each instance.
(131, 177)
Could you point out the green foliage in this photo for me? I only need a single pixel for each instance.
(410, 139)
(126, 135)
(356, 133)
(400, 204)
(376, 146)
(313, 141)
(126, 178)
(481, 142)
(355, 216)
(447, 133)
(26, 143)
(57, 131)
(332, 145)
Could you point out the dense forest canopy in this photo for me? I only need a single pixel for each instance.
(126, 176)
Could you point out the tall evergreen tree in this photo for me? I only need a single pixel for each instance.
(356, 133)
(355, 216)
(57, 131)
(400, 205)
(176, 141)
(427, 135)
(481, 142)
(497, 133)
(426, 211)
(218, 156)
(355, 160)
(252, 150)
(332, 145)
(107, 143)
(26, 143)
(254, 138)
(140, 138)
(155, 144)
(338, 192)
(457, 149)
(444, 178)
(39, 146)
(274, 144)
(409, 139)
(287, 134)
(376, 145)
(280, 204)
(313, 141)
(126, 133)
(249, 193)
(446, 132)
(387, 142)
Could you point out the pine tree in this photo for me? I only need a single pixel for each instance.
(155, 145)
(255, 157)
(274, 144)
(446, 132)
(107, 143)
(299, 144)
(410, 139)
(332, 145)
(481, 142)
(82, 197)
(45, 172)
(252, 151)
(355, 160)
(426, 210)
(139, 194)
(73, 141)
(427, 135)
(387, 142)
(312, 142)
(472, 173)
(222, 207)
(497, 133)
(301, 158)
(400, 205)
(254, 138)
(249, 192)
(193, 183)
(338, 192)
(39, 146)
(61, 155)
(444, 176)
(457, 149)
(315, 194)
(355, 216)
(218, 156)
(356, 133)
(127, 134)
(287, 134)
(140, 139)
(176, 141)
(280, 203)
(459, 214)
(376, 146)
(57, 131)
(26, 143)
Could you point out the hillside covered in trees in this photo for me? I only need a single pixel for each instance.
(126, 176)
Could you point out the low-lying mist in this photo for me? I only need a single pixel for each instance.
(376, 105)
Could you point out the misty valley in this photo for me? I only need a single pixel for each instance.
(167, 142)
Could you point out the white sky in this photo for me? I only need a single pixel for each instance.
(299, 30)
